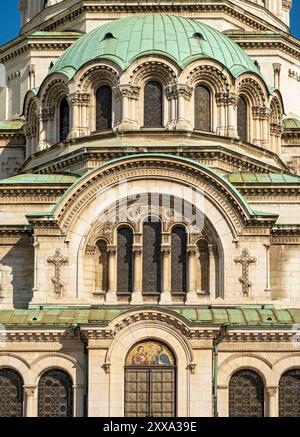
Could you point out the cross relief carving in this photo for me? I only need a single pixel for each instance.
(245, 260)
(58, 260)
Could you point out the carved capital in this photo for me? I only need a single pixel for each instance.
(80, 99)
(165, 250)
(137, 250)
(29, 391)
(130, 91)
(272, 391)
(184, 90)
(111, 250)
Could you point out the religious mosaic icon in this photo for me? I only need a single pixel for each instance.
(150, 353)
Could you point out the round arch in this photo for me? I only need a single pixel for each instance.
(142, 331)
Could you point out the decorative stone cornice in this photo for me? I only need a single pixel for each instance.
(208, 155)
(42, 46)
(261, 190)
(108, 8)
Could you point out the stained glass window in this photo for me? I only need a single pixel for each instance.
(153, 105)
(11, 393)
(246, 394)
(64, 119)
(55, 394)
(103, 108)
(242, 119)
(289, 394)
(202, 108)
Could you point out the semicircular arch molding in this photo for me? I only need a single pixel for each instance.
(246, 361)
(107, 180)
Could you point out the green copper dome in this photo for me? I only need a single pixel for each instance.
(180, 39)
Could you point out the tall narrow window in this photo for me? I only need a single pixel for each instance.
(11, 393)
(103, 108)
(178, 260)
(55, 394)
(289, 394)
(246, 394)
(151, 257)
(153, 105)
(125, 261)
(64, 119)
(242, 119)
(203, 266)
(101, 266)
(202, 108)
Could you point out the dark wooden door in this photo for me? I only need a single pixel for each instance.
(150, 392)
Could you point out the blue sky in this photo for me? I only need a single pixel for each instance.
(9, 19)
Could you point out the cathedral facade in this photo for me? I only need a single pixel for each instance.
(149, 219)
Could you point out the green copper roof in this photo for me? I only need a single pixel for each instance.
(11, 125)
(291, 123)
(42, 179)
(181, 39)
(235, 316)
(262, 178)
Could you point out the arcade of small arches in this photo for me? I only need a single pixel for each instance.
(150, 365)
(153, 95)
(154, 259)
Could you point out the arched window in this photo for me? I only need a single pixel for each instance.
(151, 257)
(101, 266)
(178, 260)
(242, 119)
(125, 261)
(103, 108)
(246, 394)
(289, 394)
(202, 108)
(11, 393)
(55, 394)
(203, 267)
(150, 380)
(64, 119)
(153, 105)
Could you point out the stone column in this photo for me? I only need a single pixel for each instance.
(221, 127)
(137, 297)
(171, 96)
(166, 297)
(212, 271)
(277, 70)
(231, 116)
(265, 121)
(129, 95)
(29, 392)
(272, 393)
(84, 127)
(111, 295)
(256, 129)
(45, 116)
(74, 102)
(31, 76)
(268, 285)
(191, 297)
(183, 93)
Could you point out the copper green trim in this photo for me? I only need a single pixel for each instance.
(291, 123)
(11, 125)
(238, 196)
(236, 317)
(263, 178)
(40, 179)
(155, 34)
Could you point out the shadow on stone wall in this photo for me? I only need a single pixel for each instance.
(20, 258)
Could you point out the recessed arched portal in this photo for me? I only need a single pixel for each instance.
(150, 380)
